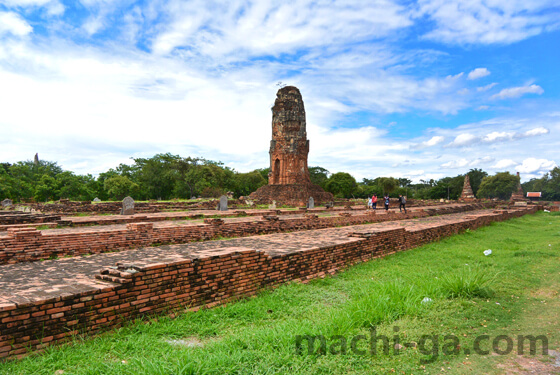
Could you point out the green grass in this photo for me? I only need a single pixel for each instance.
(448, 287)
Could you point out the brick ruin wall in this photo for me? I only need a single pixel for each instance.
(115, 207)
(293, 195)
(72, 208)
(15, 217)
(196, 282)
(29, 244)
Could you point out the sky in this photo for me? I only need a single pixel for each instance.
(418, 89)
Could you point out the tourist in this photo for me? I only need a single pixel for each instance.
(402, 202)
(369, 203)
(374, 202)
(386, 200)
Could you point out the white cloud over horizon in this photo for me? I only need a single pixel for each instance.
(532, 165)
(504, 164)
(130, 79)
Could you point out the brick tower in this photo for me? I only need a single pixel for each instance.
(467, 195)
(289, 146)
(288, 179)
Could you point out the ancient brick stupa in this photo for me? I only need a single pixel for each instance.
(518, 196)
(288, 179)
(467, 195)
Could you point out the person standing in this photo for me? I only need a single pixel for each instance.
(386, 201)
(402, 203)
(374, 202)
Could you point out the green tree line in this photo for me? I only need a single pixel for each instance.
(167, 176)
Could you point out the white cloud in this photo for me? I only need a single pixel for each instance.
(486, 88)
(25, 3)
(14, 24)
(429, 143)
(477, 134)
(459, 163)
(464, 139)
(488, 22)
(107, 92)
(478, 73)
(516, 92)
(434, 141)
(532, 165)
(498, 136)
(504, 164)
(501, 136)
(416, 173)
(536, 131)
(53, 7)
(374, 87)
(244, 29)
(483, 160)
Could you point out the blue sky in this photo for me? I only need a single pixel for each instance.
(418, 89)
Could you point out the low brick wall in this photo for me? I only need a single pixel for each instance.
(72, 207)
(208, 280)
(153, 217)
(29, 244)
(17, 217)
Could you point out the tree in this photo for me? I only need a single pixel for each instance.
(118, 187)
(7, 185)
(74, 187)
(369, 182)
(404, 182)
(341, 184)
(184, 188)
(447, 188)
(387, 184)
(475, 178)
(552, 187)
(156, 175)
(319, 176)
(46, 189)
(210, 174)
(27, 175)
(501, 186)
(549, 185)
(368, 187)
(246, 183)
(264, 173)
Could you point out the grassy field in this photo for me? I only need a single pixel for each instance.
(446, 293)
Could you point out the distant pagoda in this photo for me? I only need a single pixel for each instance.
(467, 195)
